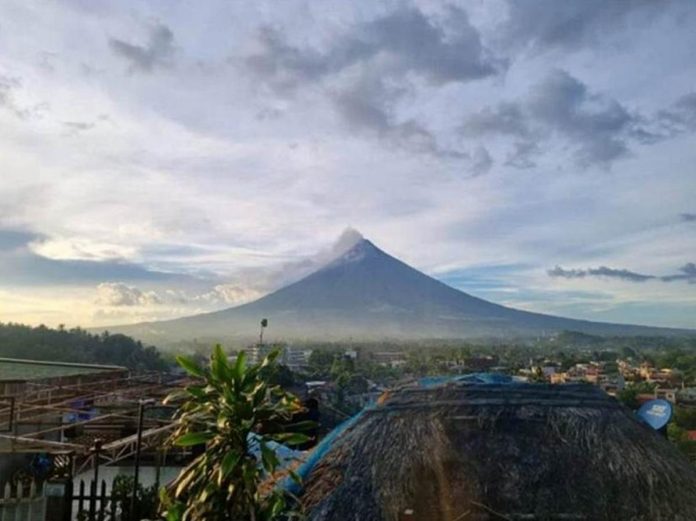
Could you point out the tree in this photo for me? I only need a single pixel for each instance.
(320, 361)
(629, 394)
(145, 500)
(685, 417)
(76, 345)
(226, 409)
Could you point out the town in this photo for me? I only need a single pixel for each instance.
(348, 377)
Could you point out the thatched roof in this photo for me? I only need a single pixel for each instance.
(500, 451)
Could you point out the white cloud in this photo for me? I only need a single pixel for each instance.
(80, 249)
(228, 294)
(119, 294)
(162, 152)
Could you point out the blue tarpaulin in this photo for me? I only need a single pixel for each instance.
(472, 378)
(322, 448)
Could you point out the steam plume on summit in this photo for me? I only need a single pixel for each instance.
(348, 239)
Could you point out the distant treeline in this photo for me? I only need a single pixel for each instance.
(77, 345)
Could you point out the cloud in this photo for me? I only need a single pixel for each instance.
(367, 106)
(348, 238)
(32, 259)
(481, 161)
(688, 217)
(602, 271)
(274, 277)
(146, 58)
(596, 127)
(9, 100)
(75, 127)
(402, 41)
(687, 273)
(7, 84)
(597, 124)
(372, 95)
(367, 71)
(507, 118)
(679, 118)
(228, 294)
(549, 24)
(522, 155)
(250, 285)
(75, 248)
(119, 294)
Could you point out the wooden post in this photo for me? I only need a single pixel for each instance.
(102, 501)
(81, 497)
(112, 504)
(95, 480)
(138, 448)
(68, 500)
(7, 496)
(32, 496)
(158, 463)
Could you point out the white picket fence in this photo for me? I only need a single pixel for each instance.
(22, 503)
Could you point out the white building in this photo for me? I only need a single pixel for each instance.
(292, 357)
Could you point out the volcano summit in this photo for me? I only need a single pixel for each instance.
(367, 294)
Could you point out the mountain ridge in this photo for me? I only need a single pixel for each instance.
(367, 294)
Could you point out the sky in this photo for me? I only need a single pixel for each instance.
(165, 158)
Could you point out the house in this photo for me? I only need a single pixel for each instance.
(518, 450)
(686, 396)
(669, 394)
(389, 358)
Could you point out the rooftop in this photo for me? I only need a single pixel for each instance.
(479, 449)
(13, 369)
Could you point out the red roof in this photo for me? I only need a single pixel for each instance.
(691, 435)
(642, 398)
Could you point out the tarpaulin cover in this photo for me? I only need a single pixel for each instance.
(472, 378)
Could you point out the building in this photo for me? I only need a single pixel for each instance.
(294, 358)
(687, 396)
(34, 395)
(389, 358)
(498, 451)
(22, 377)
(480, 363)
(669, 394)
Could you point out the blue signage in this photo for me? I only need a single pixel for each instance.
(656, 413)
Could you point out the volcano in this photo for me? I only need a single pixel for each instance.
(366, 294)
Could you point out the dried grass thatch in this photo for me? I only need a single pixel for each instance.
(529, 451)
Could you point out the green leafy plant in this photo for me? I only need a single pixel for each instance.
(226, 406)
(146, 502)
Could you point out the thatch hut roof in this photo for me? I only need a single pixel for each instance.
(500, 451)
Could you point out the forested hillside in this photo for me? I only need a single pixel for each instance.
(76, 345)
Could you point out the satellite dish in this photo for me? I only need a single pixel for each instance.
(656, 413)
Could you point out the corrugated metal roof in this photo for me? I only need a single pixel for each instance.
(13, 369)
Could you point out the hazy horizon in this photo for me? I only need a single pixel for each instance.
(165, 159)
